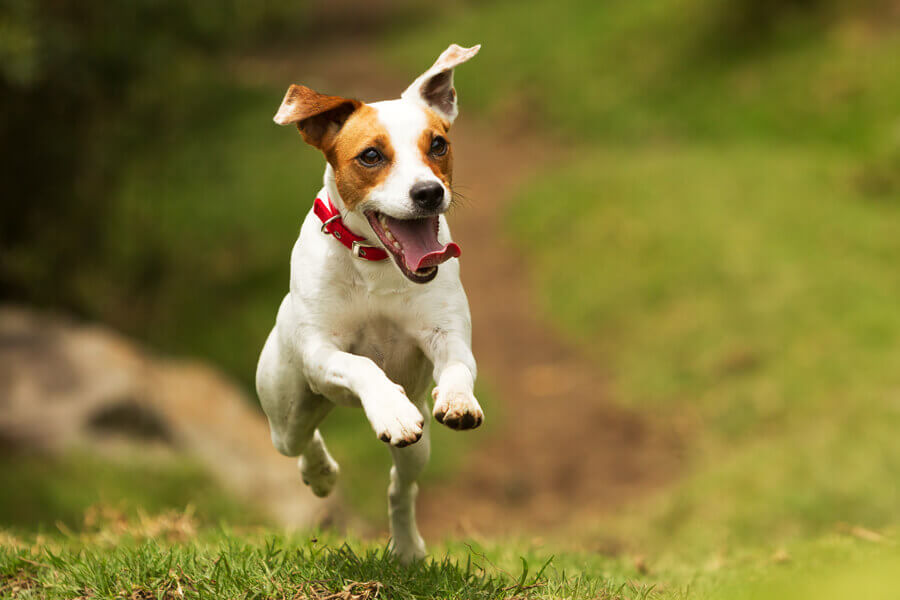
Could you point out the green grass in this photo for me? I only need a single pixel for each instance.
(755, 284)
(214, 563)
(749, 297)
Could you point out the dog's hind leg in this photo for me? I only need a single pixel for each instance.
(294, 412)
(317, 468)
(409, 462)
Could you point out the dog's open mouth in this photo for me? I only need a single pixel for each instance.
(413, 243)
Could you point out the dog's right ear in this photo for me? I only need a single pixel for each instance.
(434, 87)
(318, 117)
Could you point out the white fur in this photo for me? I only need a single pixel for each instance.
(358, 333)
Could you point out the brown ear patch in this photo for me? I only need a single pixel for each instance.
(318, 117)
(441, 166)
(362, 130)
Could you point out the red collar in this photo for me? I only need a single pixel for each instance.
(333, 225)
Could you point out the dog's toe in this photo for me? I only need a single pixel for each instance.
(397, 421)
(462, 422)
(457, 411)
(400, 436)
(407, 438)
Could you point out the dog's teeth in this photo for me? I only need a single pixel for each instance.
(387, 232)
(391, 238)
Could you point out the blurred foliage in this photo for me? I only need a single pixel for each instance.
(82, 88)
(630, 72)
(43, 493)
(744, 24)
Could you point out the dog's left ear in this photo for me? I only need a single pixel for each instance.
(434, 87)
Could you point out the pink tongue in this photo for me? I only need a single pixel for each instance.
(418, 238)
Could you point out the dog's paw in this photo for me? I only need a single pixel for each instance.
(410, 550)
(320, 475)
(395, 419)
(457, 410)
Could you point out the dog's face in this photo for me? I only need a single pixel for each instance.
(392, 161)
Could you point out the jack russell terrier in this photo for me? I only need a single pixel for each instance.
(355, 329)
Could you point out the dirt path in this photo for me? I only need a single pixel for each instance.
(563, 449)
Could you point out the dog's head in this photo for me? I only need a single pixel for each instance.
(392, 161)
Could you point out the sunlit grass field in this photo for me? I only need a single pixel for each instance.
(168, 557)
(723, 239)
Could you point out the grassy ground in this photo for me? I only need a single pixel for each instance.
(166, 557)
(724, 240)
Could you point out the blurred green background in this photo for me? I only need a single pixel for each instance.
(723, 237)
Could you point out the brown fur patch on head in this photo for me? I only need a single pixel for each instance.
(441, 166)
(361, 131)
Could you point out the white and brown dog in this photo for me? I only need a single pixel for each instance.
(358, 329)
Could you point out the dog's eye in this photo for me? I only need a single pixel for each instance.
(438, 146)
(370, 157)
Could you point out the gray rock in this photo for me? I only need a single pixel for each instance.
(66, 384)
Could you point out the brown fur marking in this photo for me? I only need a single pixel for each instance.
(441, 166)
(362, 129)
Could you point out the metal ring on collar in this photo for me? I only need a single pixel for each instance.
(328, 222)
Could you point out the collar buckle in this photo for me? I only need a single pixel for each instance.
(358, 249)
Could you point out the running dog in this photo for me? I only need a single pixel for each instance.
(375, 299)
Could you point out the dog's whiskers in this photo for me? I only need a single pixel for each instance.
(457, 198)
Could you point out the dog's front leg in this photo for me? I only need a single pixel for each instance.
(454, 372)
(393, 417)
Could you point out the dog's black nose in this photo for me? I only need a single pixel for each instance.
(427, 195)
